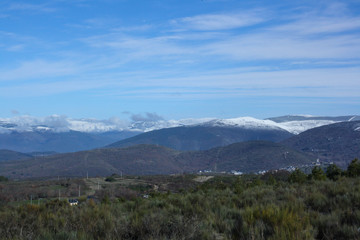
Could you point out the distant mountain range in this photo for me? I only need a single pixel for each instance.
(338, 143)
(58, 123)
(239, 144)
(61, 134)
(151, 159)
(6, 155)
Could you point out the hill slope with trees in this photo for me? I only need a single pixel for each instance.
(202, 137)
(339, 142)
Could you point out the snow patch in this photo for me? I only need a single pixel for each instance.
(352, 118)
(156, 125)
(297, 127)
(245, 122)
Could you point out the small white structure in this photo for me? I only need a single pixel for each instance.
(73, 202)
(236, 172)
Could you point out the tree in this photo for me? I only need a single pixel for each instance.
(333, 172)
(353, 169)
(297, 176)
(317, 174)
(3, 179)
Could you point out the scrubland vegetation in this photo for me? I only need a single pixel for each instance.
(278, 205)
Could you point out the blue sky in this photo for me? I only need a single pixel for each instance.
(179, 59)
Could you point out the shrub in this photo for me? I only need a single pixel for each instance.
(110, 179)
(318, 202)
(273, 222)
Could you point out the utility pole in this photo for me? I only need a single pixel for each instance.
(87, 175)
(79, 190)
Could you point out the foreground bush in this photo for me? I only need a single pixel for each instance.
(222, 208)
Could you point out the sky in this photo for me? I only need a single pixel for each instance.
(179, 59)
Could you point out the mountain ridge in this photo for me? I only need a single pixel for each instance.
(202, 137)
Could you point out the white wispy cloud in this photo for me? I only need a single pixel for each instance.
(213, 22)
(39, 68)
(15, 42)
(268, 45)
(322, 82)
(129, 48)
(15, 48)
(291, 57)
(320, 25)
(30, 7)
(303, 37)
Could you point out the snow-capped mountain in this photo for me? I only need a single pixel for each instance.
(63, 134)
(57, 123)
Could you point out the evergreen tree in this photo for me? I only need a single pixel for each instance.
(333, 172)
(317, 174)
(297, 176)
(353, 169)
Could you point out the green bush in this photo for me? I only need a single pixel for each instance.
(297, 176)
(274, 222)
(333, 172)
(353, 169)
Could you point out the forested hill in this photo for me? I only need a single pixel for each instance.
(203, 137)
(338, 142)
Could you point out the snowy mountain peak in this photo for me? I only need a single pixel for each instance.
(244, 122)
